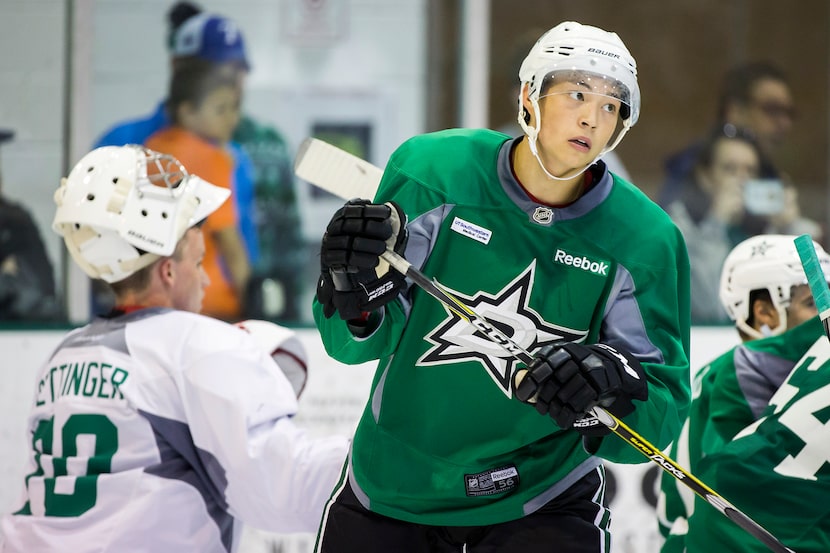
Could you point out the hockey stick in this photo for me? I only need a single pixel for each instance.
(815, 278)
(322, 153)
(335, 170)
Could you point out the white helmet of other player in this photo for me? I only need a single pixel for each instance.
(123, 207)
(764, 262)
(587, 55)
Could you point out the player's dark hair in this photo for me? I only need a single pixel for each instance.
(137, 281)
(740, 81)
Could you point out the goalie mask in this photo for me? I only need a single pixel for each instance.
(765, 262)
(587, 56)
(123, 207)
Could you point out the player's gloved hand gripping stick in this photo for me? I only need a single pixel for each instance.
(314, 163)
(352, 280)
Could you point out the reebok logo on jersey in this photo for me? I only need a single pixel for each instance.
(470, 230)
(581, 262)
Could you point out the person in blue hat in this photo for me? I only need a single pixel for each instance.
(192, 34)
(263, 182)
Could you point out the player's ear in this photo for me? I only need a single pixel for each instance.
(524, 90)
(525, 87)
(165, 269)
(764, 313)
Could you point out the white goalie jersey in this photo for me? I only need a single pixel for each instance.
(163, 431)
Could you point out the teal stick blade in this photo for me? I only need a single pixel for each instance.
(815, 276)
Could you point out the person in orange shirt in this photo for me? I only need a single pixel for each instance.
(203, 104)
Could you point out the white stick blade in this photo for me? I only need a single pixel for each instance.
(336, 171)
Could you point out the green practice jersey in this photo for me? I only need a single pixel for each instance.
(442, 441)
(777, 470)
(729, 394)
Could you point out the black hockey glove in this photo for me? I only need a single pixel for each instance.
(567, 380)
(354, 279)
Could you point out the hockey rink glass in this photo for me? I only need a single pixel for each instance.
(612, 94)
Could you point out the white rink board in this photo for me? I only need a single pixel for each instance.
(332, 403)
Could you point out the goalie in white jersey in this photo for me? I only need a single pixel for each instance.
(156, 428)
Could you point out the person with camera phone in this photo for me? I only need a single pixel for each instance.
(725, 203)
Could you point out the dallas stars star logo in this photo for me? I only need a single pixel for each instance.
(455, 340)
(760, 249)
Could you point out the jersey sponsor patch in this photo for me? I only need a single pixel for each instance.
(581, 262)
(499, 480)
(471, 230)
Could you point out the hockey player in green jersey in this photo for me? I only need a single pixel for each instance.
(764, 291)
(573, 263)
(776, 470)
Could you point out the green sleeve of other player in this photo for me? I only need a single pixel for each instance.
(756, 373)
(722, 410)
(777, 470)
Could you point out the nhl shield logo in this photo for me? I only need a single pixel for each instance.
(543, 215)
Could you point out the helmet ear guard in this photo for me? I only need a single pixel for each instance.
(765, 262)
(123, 207)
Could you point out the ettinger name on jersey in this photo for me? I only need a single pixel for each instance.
(581, 262)
(87, 379)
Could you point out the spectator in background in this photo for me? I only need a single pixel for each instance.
(263, 183)
(27, 283)
(203, 106)
(724, 203)
(756, 99)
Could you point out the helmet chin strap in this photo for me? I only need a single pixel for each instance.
(532, 134)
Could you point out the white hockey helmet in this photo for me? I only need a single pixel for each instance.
(599, 58)
(764, 262)
(123, 207)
